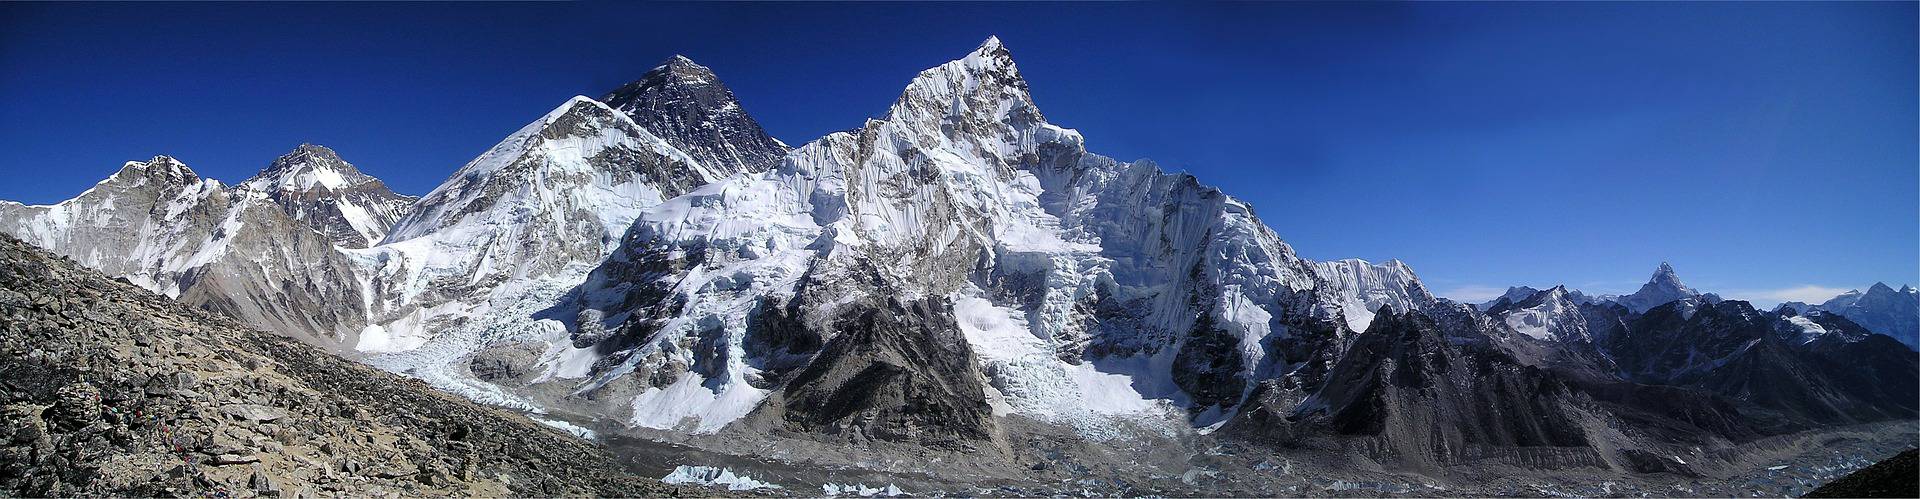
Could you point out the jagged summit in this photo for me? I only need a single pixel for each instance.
(960, 275)
(579, 160)
(686, 104)
(986, 76)
(678, 60)
(1048, 260)
(1663, 287)
(1513, 295)
(1364, 288)
(992, 43)
(158, 160)
(528, 216)
(1882, 309)
(162, 167)
(314, 186)
(307, 167)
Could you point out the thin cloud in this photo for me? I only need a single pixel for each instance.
(1473, 293)
(1808, 293)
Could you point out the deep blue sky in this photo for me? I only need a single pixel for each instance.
(1760, 147)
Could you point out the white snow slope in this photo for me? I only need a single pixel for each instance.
(961, 191)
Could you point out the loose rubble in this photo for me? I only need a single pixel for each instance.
(107, 389)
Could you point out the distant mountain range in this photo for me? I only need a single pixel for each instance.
(959, 275)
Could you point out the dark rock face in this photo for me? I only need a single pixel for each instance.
(1897, 476)
(1730, 349)
(1433, 399)
(506, 364)
(106, 389)
(686, 104)
(1208, 367)
(899, 372)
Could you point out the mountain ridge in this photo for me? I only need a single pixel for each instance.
(962, 277)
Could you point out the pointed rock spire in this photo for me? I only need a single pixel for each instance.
(979, 94)
(1662, 288)
(684, 103)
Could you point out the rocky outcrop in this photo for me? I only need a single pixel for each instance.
(898, 372)
(106, 389)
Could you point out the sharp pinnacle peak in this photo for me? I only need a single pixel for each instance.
(992, 43)
(992, 49)
(160, 164)
(309, 149)
(159, 160)
(1665, 273)
(679, 64)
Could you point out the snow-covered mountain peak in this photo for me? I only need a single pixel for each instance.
(680, 69)
(308, 167)
(1513, 295)
(1362, 288)
(549, 162)
(970, 94)
(1054, 261)
(1842, 300)
(1553, 314)
(991, 44)
(1882, 310)
(519, 224)
(1665, 272)
(314, 186)
(686, 104)
(161, 168)
(1663, 287)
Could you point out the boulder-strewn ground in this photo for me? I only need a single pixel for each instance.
(107, 389)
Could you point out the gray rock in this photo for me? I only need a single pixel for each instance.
(253, 412)
(231, 459)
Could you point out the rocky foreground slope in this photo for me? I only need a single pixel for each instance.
(1897, 476)
(107, 389)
